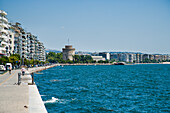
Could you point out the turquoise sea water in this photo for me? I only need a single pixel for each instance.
(98, 89)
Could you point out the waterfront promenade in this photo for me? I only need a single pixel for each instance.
(22, 98)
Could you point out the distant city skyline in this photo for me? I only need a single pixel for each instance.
(98, 25)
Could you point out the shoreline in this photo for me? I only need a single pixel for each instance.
(34, 70)
(81, 64)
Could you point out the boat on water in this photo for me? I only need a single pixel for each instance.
(119, 63)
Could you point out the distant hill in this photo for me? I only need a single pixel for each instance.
(52, 50)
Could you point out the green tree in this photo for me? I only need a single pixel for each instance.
(13, 59)
(52, 57)
(4, 60)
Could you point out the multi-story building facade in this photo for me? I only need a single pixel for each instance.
(15, 40)
(4, 35)
(137, 57)
(157, 57)
(105, 55)
(145, 56)
(131, 58)
(114, 56)
(125, 57)
(134, 57)
(32, 47)
(98, 58)
(151, 57)
(41, 52)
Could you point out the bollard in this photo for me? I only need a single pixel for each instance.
(32, 78)
(19, 78)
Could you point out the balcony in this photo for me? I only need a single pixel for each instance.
(3, 37)
(23, 49)
(31, 38)
(32, 42)
(4, 25)
(23, 53)
(23, 44)
(32, 51)
(2, 49)
(3, 12)
(3, 43)
(4, 19)
(4, 31)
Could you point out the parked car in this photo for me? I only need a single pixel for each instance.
(2, 68)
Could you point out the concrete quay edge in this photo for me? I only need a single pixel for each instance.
(36, 105)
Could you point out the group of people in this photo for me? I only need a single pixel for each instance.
(22, 70)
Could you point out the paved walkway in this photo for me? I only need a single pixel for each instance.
(22, 98)
(13, 97)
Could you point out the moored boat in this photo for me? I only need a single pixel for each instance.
(119, 63)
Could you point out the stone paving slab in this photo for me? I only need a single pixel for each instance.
(13, 99)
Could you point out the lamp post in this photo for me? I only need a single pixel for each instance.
(13, 61)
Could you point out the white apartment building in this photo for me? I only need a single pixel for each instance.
(36, 57)
(105, 55)
(32, 46)
(114, 56)
(28, 46)
(15, 40)
(24, 44)
(98, 58)
(131, 58)
(41, 51)
(3, 33)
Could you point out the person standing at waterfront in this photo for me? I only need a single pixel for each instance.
(23, 71)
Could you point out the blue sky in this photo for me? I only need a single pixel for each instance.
(96, 25)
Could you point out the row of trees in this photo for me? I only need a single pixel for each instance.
(83, 59)
(16, 60)
(53, 57)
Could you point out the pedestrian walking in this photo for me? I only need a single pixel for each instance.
(10, 70)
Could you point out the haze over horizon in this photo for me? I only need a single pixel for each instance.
(98, 25)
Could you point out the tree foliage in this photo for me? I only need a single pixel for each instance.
(15, 60)
(53, 57)
(82, 59)
(58, 58)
